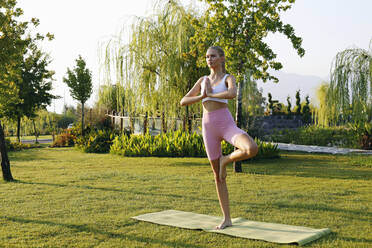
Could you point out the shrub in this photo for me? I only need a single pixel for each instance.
(321, 136)
(65, 139)
(175, 144)
(104, 123)
(171, 144)
(16, 146)
(97, 141)
(363, 133)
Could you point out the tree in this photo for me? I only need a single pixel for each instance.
(239, 26)
(289, 106)
(306, 113)
(34, 85)
(158, 64)
(350, 89)
(254, 101)
(298, 103)
(111, 97)
(80, 83)
(13, 44)
(322, 113)
(271, 103)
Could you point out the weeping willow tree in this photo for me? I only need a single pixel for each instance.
(156, 67)
(322, 111)
(111, 97)
(349, 95)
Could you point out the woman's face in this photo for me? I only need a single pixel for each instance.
(213, 58)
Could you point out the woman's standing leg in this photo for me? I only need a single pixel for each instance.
(223, 194)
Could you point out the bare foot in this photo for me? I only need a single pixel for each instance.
(223, 165)
(224, 224)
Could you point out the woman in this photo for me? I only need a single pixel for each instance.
(218, 124)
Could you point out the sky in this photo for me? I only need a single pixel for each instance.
(81, 27)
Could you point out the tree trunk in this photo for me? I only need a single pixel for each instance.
(238, 118)
(163, 123)
(145, 123)
(18, 129)
(132, 120)
(82, 118)
(5, 165)
(185, 119)
(35, 131)
(189, 123)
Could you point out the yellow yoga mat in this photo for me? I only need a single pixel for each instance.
(276, 233)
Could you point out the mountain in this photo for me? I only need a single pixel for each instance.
(288, 84)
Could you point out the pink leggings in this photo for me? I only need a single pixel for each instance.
(218, 125)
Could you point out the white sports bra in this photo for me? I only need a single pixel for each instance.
(220, 87)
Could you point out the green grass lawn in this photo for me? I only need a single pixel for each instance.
(65, 198)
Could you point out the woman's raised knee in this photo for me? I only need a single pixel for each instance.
(251, 150)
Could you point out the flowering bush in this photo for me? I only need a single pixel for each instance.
(64, 139)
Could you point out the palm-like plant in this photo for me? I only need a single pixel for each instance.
(349, 95)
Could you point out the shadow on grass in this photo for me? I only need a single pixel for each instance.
(333, 237)
(353, 214)
(190, 164)
(87, 229)
(329, 167)
(215, 201)
(25, 155)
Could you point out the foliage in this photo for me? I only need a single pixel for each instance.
(176, 144)
(104, 123)
(271, 103)
(64, 139)
(35, 86)
(79, 80)
(350, 90)
(170, 144)
(15, 38)
(156, 68)
(45, 122)
(298, 103)
(320, 136)
(23, 74)
(64, 121)
(289, 106)
(12, 46)
(17, 146)
(254, 101)
(275, 107)
(111, 97)
(240, 28)
(36, 83)
(96, 141)
(322, 112)
(363, 133)
(306, 114)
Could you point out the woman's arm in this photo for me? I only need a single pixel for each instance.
(192, 96)
(230, 93)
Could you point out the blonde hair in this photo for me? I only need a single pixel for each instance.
(221, 53)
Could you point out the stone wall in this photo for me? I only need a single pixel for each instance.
(272, 123)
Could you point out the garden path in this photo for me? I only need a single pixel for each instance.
(321, 149)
